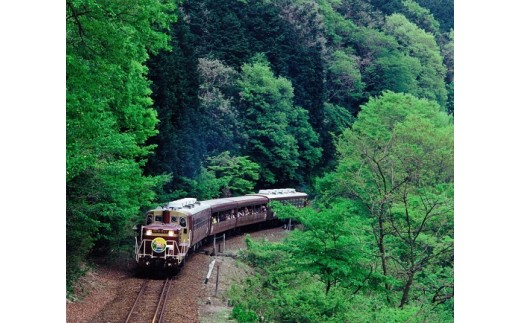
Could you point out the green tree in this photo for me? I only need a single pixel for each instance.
(337, 118)
(450, 106)
(344, 83)
(279, 136)
(384, 66)
(448, 52)
(181, 144)
(442, 10)
(220, 29)
(419, 44)
(323, 272)
(205, 186)
(397, 160)
(238, 175)
(421, 17)
(198, 112)
(109, 118)
(332, 245)
(304, 31)
(337, 28)
(388, 7)
(216, 96)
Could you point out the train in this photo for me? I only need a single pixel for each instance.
(172, 231)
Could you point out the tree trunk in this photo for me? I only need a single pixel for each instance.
(382, 254)
(328, 287)
(406, 290)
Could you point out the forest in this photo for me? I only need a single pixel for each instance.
(351, 101)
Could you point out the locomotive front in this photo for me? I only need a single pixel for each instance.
(160, 243)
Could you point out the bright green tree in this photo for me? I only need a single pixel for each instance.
(421, 17)
(385, 66)
(337, 27)
(109, 118)
(419, 44)
(332, 245)
(397, 160)
(323, 271)
(238, 175)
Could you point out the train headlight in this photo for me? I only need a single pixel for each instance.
(148, 232)
(170, 233)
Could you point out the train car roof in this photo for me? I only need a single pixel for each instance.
(182, 202)
(234, 202)
(215, 202)
(250, 200)
(280, 194)
(187, 205)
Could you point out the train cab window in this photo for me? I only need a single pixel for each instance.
(182, 222)
(158, 218)
(149, 219)
(173, 219)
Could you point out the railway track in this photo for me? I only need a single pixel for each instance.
(151, 301)
(184, 298)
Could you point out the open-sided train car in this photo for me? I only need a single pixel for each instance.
(171, 231)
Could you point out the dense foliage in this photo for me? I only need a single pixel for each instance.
(384, 231)
(351, 101)
(109, 118)
(333, 55)
(278, 133)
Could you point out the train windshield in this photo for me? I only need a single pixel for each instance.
(173, 219)
(182, 222)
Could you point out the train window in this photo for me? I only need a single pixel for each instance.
(174, 219)
(182, 222)
(199, 223)
(149, 219)
(158, 218)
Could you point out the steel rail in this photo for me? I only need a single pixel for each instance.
(165, 300)
(164, 294)
(143, 287)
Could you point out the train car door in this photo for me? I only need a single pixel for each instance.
(185, 231)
